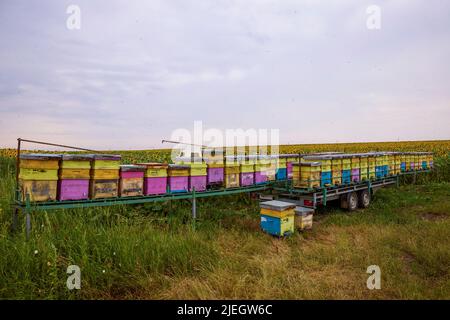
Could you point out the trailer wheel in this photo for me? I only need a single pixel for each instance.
(364, 198)
(349, 201)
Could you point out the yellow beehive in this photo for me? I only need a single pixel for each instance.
(105, 174)
(364, 167)
(66, 173)
(417, 164)
(336, 170)
(232, 180)
(247, 167)
(309, 175)
(178, 170)
(198, 169)
(325, 162)
(231, 168)
(38, 176)
(430, 160)
(346, 162)
(355, 161)
(371, 159)
(104, 188)
(105, 164)
(277, 213)
(155, 169)
(282, 163)
(75, 166)
(45, 190)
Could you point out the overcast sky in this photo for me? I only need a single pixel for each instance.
(138, 70)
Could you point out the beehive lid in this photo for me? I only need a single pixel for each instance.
(310, 164)
(132, 168)
(178, 166)
(111, 157)
(303, 211)
(77, 157)
(319, 157)
(289, 155)
(157, 165)
(40, 156)
(277, 205)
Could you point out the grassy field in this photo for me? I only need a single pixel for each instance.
(154, 251)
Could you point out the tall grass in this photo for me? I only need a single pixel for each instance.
(154, 251)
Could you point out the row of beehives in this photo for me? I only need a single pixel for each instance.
(49, 177)
(324, 170)
(79, 177)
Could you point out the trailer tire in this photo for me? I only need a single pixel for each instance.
(364, 199)
(349, 201)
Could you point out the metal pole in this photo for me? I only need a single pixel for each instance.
(17, 168)
(194, 205)
(56, 145)
(28, 217)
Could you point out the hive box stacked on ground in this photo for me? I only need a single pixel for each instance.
(363, 167)
(131, 180)
(38, 176)
(346, 169)
(155, 178)
(281, 173)
(423, 160)
(308, 175)
(247, 171)
(371, 160)
(215, 171)
(261, 168)
(104, 176)
(325, 168)
(74, 176)
(232, 169)
(178, 177)
(277, 217)
(290, 159)
(356, 167)
(336, 169)
(303, 218)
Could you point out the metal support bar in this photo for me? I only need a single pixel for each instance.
(28, 217)
(194, 205)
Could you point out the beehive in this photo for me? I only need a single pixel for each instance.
(371, 160)
(379, 165)
(131, 180)
(262, 170)
(277, 217)
(100, 189)
(336, 170)
(303, 218)
(309, 176)
(74, 175)
(430, 160)
(38, 176)
(272, 168)
(364, 167)
(232, 180)
(104, 173)
(356, 167)
(247, 171)
(197, 175)
(423, 160)
(417, 164)
(325, 168)
(155, 178)
(403, 158)
(178, 177)
(291, 158)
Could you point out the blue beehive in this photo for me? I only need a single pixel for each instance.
(346, 176)
(325, 179)
(281, 174)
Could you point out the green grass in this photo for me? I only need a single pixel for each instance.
(154, 252)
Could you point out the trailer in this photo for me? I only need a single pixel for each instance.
(351, 196)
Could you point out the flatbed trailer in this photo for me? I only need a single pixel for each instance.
(351, 196)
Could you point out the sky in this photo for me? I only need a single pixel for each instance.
(136, 71)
